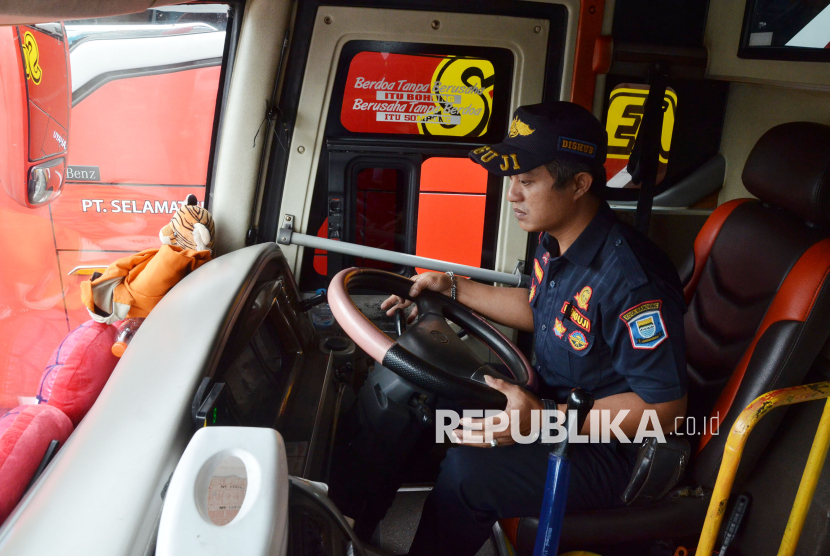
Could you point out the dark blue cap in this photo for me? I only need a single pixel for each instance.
(542, 133)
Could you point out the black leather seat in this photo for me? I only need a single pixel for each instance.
(758, 298)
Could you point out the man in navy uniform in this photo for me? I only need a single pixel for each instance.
(606, 310)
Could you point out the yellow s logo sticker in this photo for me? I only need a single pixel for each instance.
(463, 103)
(31, 57)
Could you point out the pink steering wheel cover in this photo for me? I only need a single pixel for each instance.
(371, 339)
(354, 323)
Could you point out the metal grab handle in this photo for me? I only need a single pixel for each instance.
(286, 236)
(733, 451)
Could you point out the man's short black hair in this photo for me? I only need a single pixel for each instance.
(564, 171)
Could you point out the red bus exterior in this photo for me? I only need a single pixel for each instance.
(138, 145)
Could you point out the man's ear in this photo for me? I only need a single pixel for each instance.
(582, 183)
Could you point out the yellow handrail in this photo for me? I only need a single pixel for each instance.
(733, 451)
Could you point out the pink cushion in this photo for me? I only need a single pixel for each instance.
(25, 434)
(79, 369)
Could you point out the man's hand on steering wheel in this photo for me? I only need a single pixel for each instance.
(518, 399)
(435, 281)
(429, 354)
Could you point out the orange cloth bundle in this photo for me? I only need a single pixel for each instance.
(133, 285)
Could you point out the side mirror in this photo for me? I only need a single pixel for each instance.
(36, 92)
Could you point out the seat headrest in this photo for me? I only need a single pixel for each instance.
(789, 167)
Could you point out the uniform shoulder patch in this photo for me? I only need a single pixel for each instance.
(645, 324)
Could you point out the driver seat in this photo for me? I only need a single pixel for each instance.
(757, 288)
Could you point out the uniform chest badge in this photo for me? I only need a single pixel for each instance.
(575, 316)
(580, 320)
(538, 274)
(559, 328)
(583, 297)
(578, 340)
(545, 258)
(645, 325)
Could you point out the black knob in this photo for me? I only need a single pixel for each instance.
(581, 401)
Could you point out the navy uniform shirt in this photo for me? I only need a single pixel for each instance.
(608, 314)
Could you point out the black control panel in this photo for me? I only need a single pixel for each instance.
(336, 217)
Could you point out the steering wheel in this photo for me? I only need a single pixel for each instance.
(429, 354)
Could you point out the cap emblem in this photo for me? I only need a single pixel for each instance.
(518, 127)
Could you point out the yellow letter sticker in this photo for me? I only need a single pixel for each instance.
(625, 113)
(30, 56)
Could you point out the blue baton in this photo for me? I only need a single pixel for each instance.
(559, 474)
